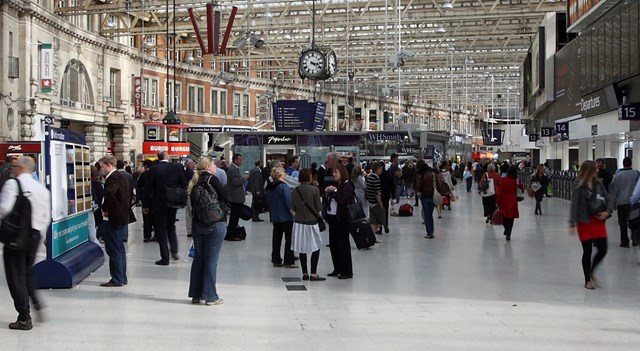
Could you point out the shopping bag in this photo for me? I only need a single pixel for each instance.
(497, 218)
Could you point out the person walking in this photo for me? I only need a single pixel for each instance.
(305, 204)
(236, 196)
(117, 214)
(163, 175)
(338, 217)
(468, 176)
(426, 186)
(256, 187)
(621, 189)
(539, 184)
(590, 207)
(491, 181)
(18, 263)
(281, 218)
(208, 235)
(507, 200)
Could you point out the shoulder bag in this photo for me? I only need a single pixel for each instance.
(15, 231)
(488, 187)
(321, 225)
(356, 213)
(437, 197)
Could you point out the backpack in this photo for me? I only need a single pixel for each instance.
(205, 206)
(15, 231)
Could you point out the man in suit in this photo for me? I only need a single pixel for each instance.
(147, 218)
(236, 194)
(256, 187)
(117, 214)
(161, 176)
(18, 263)
(120, 165)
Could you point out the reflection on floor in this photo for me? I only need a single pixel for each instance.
(467, 289)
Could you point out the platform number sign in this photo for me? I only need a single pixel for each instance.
(533, 138)
(629, 112)
(562, 128)
(547, 132)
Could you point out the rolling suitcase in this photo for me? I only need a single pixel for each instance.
(406, 210)
(362, 235)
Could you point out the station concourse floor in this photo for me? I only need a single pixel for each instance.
(467, 289)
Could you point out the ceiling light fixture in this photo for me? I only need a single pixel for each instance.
(441, 29)
(447, 6)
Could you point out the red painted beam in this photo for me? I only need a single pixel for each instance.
(210, 39)
(194, 23)
(216, 32)
(227, 33)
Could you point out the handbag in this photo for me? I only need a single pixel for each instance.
(356, 213)
(321, 224)
(15, 231)
(437, 197)
(597, 202)
(176, 196)
(490, 189)
(497, 218)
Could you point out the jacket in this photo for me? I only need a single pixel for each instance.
(343, 196)
(424, 185)
(280, 202)
(235, 185)
(161, 176)
(621, 188)
(507, 198)
(256, 184)
(117, 200)
(580, 206)
(38, 196)
(310, 194)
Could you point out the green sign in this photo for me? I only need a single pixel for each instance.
(69, 233)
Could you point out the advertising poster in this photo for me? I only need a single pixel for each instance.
(46, 68)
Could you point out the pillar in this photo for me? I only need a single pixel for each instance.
(96, 137)
(585, 151)
(563, 154)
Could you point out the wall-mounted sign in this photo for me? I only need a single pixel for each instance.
(179, 149)
(562, 129)
(152, 133)
(279, 139)
(296, 115)
(46, 68)
(492, 137)
(386, 136)
(137, 97)
(594, 130)
(204, 129)
(152, 148)
(533, 138)
(547, 131)
(318, 121)
(629, 112)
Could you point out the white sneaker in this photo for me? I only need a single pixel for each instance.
(213, 303)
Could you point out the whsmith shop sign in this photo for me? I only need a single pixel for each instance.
(380, 136)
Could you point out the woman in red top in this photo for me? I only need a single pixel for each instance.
(508, 199)
(489, 196)
(590, 207)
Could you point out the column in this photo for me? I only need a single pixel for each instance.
(564, 154)
(96, 137)
(121, 137)
(585, 151)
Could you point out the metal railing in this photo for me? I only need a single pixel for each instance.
(561, 183)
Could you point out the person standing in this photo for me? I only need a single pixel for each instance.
(338, 217)
(147, 218)
(395, 173)
(590, 207)
(409, 176)
(282, 219)
(256, 187)
(294, 163)
(508, 200)
(117, 214)
(541, 186)
(305, 204)
(621, 188)
(426, 186)
(387, 186)
(163, 175)
(207, 239)
(491, 180)
(373, 195)
(603, 173)
(357, 178)
(18, 263)
(236, 196)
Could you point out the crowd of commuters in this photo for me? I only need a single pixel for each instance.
(319, 193)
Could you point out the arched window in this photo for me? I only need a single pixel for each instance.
(76, 87)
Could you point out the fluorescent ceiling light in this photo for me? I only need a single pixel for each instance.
(447, 6)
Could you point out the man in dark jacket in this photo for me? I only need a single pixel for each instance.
(235, 195)
(386, 180)
(147, 218)
(117, 214)
(163, 175)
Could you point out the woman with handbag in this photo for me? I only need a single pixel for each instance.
(489, 188)
(306, 206)
(539, 183)
(590, 207)
(281, 218)
(208, 235)
(508, 200)
(339, 197)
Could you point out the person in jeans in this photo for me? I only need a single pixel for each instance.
(282, 219)
(621, 189)
(305, 203)
(426, 186)
(468, 176)
(589, 221)
(207, 241)
(508, 200)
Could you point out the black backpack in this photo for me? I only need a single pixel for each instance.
(205, 205)
(15, 231)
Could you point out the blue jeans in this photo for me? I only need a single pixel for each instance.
(114, 245)
(207, 240)
(427, 211)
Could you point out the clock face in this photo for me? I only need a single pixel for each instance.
(332, 63)
(312, 63)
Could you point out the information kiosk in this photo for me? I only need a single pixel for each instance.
(70, 255)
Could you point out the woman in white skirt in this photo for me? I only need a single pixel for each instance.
(306, 207)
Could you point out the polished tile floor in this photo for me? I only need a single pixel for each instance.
(467, 289)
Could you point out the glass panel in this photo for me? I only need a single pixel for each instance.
(223, 103)
(214, 102)
(250, 154)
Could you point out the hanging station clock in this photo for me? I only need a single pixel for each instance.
(332, 64)
(313, 64)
